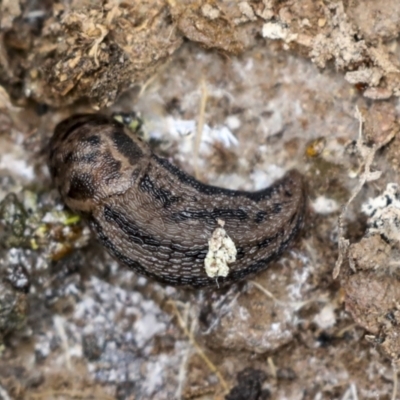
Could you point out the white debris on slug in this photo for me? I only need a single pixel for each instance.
(384, 213)
(221, 252)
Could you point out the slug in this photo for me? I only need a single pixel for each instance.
(158, 220)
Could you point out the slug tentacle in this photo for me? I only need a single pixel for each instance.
(157, 219)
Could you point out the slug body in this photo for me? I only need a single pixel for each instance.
(155, 218)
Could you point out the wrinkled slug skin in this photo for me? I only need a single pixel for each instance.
(155, 218)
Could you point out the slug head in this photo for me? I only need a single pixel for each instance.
(92, 157)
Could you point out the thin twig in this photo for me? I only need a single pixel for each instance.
(199, 350)
(70, 394)
(3, 394)
(183, 366)
(60, 328)
(395, 381)
(200, 126)
(145, 85)
(272, 367)
(351, 393)
(297, 305)
(365, 175)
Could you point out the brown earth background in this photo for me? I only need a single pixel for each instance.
(305, 84)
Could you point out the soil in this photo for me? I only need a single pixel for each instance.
(279, 85)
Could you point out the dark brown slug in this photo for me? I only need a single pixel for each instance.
(158, 220)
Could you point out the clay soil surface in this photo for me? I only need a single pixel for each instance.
(276, 85)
